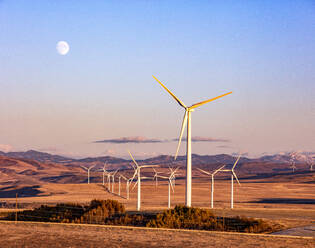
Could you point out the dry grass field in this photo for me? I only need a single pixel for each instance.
(62, 235)
(289, 204)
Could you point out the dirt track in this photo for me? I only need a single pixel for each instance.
(57, 235)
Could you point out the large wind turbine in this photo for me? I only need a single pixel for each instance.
(88, 171)
(137, 173)
(233, 175)
(187, 119)
(212, 180)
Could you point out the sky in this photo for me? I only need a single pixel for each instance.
(103, 90)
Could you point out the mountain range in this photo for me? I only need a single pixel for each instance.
(34, 167)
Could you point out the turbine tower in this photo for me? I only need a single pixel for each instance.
(88, 171)
(113, 179)
(156, 175)
(104, 172)
(232, 175)
(187, 119)
(293, 157)
(212, 180)
(120, 176)
(171, 185)
(137, 172)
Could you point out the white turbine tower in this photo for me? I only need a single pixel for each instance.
(104, 173)
(293, 157)
(137, 172)
(120, 176)
(233, 175)
(88, 171)
(155, 177)
(113, 179)
(187, 119)
(108, 181)
(310, 162)
(212, 180)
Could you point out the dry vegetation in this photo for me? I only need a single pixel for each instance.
(67, 235)
(290, 204)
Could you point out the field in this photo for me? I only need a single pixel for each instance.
(63, 235)
(289, 204)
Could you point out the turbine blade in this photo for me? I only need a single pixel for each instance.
(133, 159)
(148, 166)
(208, 173)
(83, 167)
(236, 161)
(134, 185)
(236, 178)
(181, 133)
(179, 101)
(206, 101)
(216, 171)
(172, 186)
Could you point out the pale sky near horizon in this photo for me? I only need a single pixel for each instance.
(263, 51)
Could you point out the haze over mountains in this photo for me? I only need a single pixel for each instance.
(199, 159)
(34, 168)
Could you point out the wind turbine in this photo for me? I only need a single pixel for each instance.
(88, 171)
(171, 185)
(104, 172)
(187, 119)
(120, 176)
(137, 172)
(156, 175)
(113, 179)
(232, 175)
(293, 167)
(212, 180)
(310, 162)
(293, 157)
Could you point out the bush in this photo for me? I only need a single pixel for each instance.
(203, 219)
(112, 212)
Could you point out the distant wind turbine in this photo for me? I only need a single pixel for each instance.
(293, 157)
(138, 174)
(212, 180)
(120, 176)
(113, 179)
(232, 175)
(310, 162)
(88, 171)
(155, 177)
(187, 119)
(104, 172)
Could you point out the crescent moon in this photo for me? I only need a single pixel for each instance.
(62, 47)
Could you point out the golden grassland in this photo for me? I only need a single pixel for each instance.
(68, 235)
(247, 199)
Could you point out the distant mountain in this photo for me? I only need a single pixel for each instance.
(38, 156)
(31, 172)
(105, 159)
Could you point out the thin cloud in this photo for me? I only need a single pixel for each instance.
(225, 147)
(5, 148)
(136, 139)
(204, 139)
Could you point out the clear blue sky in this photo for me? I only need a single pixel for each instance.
(263, 51)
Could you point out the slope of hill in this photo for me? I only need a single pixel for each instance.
(38, 156)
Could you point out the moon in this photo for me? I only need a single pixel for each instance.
(62, 47)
